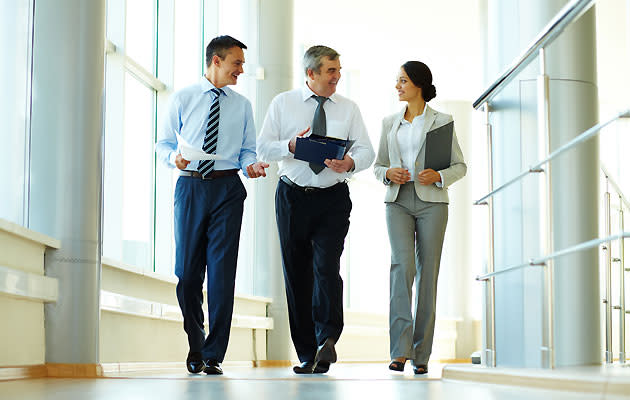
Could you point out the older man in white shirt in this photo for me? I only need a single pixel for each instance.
(313, 203)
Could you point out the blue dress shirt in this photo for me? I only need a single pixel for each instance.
(187, 118)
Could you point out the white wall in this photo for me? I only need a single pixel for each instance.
(374, 40)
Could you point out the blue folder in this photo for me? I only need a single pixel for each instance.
(315, 149)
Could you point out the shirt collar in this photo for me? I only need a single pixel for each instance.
(307, 93)
(206, 86)
(422, 116)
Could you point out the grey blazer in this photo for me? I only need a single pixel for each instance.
(389, 157)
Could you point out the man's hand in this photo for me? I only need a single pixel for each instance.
(257, 169)
(344, 165)
(180, 162)
(398, 175)
(292, 142)
(429, 176)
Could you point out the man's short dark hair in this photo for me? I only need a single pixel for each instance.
(219, 46)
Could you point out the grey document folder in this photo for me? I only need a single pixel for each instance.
(437, 150)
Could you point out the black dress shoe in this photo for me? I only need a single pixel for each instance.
(305, 368)
(326, 352)
(194, 363)
(212, 368)
(321, 367)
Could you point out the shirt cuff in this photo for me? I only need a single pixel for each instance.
(441, 183)
(284, 148)
(171, 158)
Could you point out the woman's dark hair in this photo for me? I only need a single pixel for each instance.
(421, 76)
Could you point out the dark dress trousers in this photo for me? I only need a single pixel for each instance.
(312, 226)
(208, 216)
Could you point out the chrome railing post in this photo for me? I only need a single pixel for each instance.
(622, 289)
(546, 213)
(490, 323)
(608, 266)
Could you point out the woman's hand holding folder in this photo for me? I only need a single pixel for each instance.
(428, 177)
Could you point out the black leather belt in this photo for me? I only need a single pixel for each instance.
(212, 175)
(309, 189)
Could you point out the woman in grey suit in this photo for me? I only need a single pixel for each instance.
(416, 211)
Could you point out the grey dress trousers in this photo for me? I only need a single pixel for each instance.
(416, 233)
(416, 222)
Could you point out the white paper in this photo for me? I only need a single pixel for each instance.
(190, 154)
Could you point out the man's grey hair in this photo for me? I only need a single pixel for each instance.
(313, 57)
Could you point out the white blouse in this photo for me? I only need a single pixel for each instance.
(410, 140)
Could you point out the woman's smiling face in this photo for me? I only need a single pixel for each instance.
(406, 89)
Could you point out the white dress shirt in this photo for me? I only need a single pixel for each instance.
(411, 138)
(292, 112)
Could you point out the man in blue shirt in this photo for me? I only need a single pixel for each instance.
(214, 127)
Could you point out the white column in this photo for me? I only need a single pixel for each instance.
(571, 62)
(570, 66)
(66, 171)
(275, 44)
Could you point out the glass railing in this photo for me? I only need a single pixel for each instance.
(536, 49)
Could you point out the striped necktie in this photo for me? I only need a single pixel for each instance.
(212, 135)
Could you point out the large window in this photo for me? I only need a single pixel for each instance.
(130, 115)
(195, 23)
(137, 158)
(15, 39)
(183, 68)
(140, 44)
(188, 51)
(153, 52)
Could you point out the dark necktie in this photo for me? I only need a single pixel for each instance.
(212, 134)
(319, 127)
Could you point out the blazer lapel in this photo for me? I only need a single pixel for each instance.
(429, 119)
(393, 140)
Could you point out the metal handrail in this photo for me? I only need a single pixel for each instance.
(541, 261)
(584, 136)
(571, 12)
(615, 186)
(608, 273)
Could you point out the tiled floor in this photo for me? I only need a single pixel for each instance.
(344, 381)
